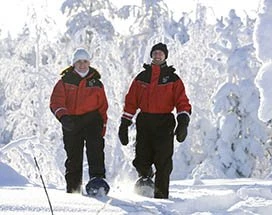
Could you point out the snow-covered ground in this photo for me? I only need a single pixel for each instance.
(239, 196)
(209, 196)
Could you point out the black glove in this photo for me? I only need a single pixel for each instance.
(123, 131)
(181, 130)
(67, 123)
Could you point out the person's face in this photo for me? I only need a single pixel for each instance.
(82, 65)
(158, 56)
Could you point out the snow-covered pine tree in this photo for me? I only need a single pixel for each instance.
(27, 81)
(92, 16)
(263, 45)
(240, 134)
(200, 78)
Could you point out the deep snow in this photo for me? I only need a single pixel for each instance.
(214, 196)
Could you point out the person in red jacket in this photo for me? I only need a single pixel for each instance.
(156, 91)
(79, 102)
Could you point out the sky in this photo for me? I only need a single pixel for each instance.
(13, 22)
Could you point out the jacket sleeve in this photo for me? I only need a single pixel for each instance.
(131, 104)
(57, 100)
(181, 100)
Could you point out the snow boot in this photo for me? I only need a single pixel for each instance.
(97, 187)
(144, 186)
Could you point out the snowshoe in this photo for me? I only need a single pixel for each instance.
(144, 186)
(97, 187)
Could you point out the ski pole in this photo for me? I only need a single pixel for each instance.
(51, 209)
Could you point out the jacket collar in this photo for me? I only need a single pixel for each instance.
(92, 72)
(163, 66)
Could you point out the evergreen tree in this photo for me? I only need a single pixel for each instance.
(240, 135)
(86, 18)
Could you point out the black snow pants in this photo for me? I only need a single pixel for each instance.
(154, 145)
(88, 132)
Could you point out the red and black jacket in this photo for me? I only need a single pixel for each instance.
(74, 95)
(157, 89)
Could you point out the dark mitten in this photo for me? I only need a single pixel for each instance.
(67, 123)
(181, 130)
(123, 131)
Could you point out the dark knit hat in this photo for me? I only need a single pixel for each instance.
(162, 47)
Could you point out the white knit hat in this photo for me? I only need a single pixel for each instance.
(80, 54)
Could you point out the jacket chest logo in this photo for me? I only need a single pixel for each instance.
(91, 83)
(165, 79)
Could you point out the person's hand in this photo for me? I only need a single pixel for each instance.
(181, 130)
(67, 123)
(123, 131)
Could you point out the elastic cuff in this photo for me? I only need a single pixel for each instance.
(181, 112)
(60, 112)
(127, 115)
(126, 121)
